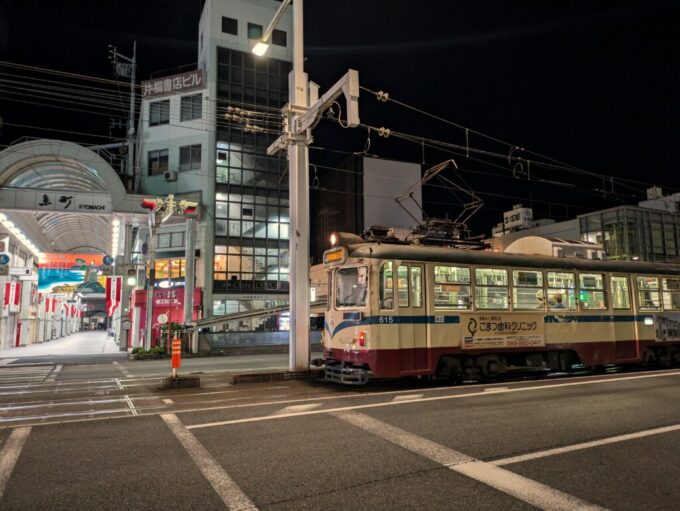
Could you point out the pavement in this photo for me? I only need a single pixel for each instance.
(596, 442)
(94, 342)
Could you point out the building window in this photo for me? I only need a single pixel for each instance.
(158, 162)
(229, 25)
(254, 31)
(190, 157)
(159, 112)
(279, 38)
(191, 107)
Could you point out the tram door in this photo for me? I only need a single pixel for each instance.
(413, 321)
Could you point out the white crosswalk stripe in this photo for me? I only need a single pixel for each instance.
(25, 373)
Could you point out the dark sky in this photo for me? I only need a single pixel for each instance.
(594, 84)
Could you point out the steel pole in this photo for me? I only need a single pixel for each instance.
(298, 172)
(150, 285)
(189, 272)
(131, 122)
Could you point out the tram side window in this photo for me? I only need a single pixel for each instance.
(386, 286)
(620, 293)
(491, 288)
(671, 293)
(402, 285)
(351, 286)
(527, 290)
(649, 298)
(416, 286)
(561, 290)
(451, 287)
(591, 291)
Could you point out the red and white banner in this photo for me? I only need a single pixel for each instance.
(113, 291)
(12, 296)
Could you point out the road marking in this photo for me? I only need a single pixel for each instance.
(131, 405)
(397, 403)
(168, 401)
(10, 454)
(408, 397)
(585, 445)
(517, 486)
(297, 408)
(495, 389)
(232, 496)
(53, 374)
(6, 361)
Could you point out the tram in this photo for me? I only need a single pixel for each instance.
(397, 310)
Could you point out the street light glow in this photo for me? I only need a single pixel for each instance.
(260, 48)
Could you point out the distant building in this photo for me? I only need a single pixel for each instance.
(647, 232)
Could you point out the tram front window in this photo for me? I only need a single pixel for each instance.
(351, 287)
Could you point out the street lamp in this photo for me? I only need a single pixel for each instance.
(303, 111)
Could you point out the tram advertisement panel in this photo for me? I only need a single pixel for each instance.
(668, 327)
(492, 330)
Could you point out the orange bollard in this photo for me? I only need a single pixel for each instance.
(176, 356)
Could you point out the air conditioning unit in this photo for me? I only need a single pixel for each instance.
(170, 175)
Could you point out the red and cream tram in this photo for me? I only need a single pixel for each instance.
(398, 310)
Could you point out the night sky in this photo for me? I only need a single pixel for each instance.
(592, 84)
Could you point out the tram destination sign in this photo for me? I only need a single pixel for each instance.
(493, 330)
(29, 199)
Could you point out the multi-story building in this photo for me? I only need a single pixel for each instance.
(205, 131)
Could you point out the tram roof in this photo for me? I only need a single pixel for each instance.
(476, 257)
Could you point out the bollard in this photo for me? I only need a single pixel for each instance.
(176, 357)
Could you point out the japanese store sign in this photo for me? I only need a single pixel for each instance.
(502, 331)
(183, 82)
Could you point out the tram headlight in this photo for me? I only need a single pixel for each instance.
(334, 239)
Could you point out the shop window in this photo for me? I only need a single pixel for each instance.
(451, 287)
(591, 291)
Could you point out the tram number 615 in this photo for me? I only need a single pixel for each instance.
(385, 319)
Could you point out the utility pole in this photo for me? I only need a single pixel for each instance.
(127, 67)
(301, 115)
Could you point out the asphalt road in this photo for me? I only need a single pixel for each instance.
(92, 437)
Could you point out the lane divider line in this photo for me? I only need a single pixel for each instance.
(10, 454)
(585, 445)
(131, 405)
(297, 408)
(408, 397)
(230, 493)
(397, 403)
(517, 486)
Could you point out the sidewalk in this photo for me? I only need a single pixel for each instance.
(94, 342)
